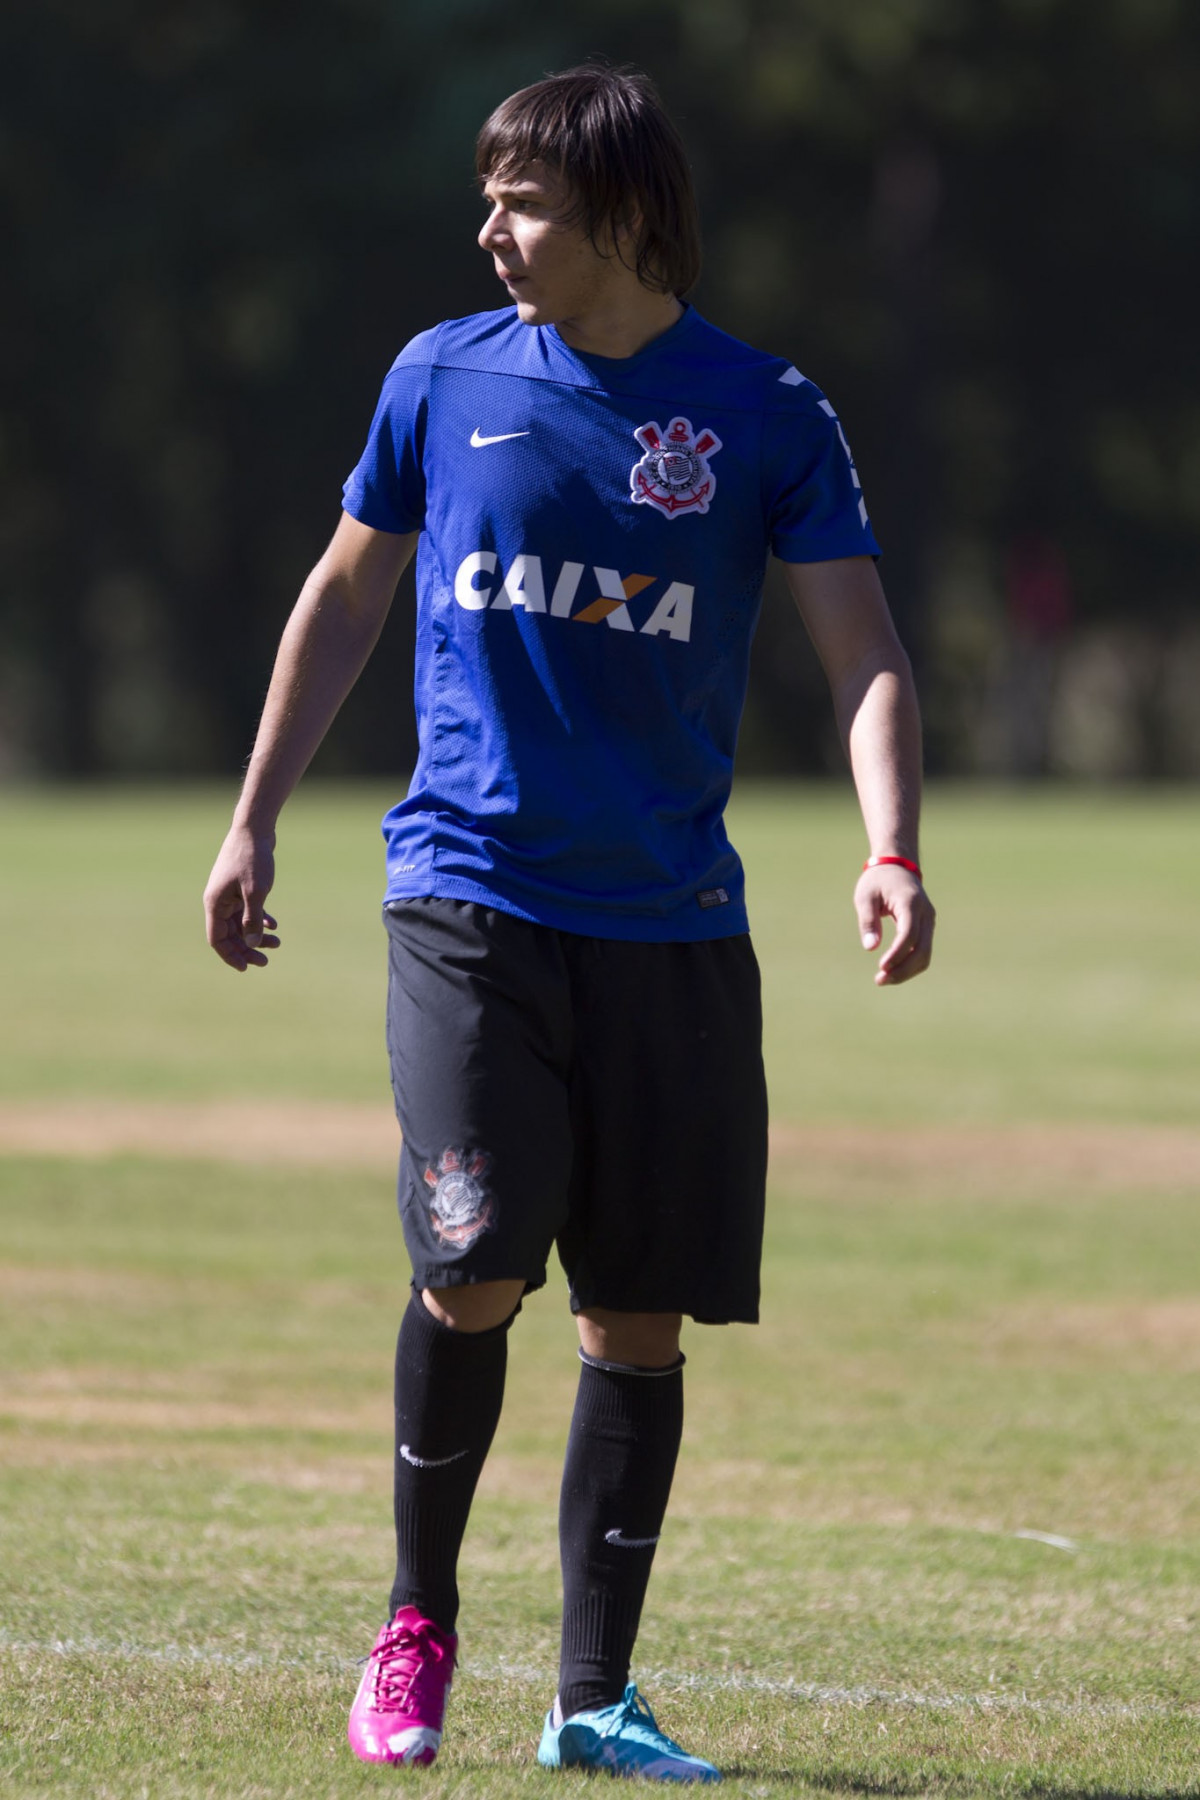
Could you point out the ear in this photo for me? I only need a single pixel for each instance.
(622, 236)
(627, 228)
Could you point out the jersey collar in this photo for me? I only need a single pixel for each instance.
(613, 369)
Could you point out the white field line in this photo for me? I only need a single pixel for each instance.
(678, 1680)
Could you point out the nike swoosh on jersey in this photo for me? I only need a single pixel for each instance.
(478, 442)
(428, 1462)
(624, 1543)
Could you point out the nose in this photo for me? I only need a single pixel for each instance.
(492, 231)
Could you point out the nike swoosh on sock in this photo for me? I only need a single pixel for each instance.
(429, 1462)
(624, 1543)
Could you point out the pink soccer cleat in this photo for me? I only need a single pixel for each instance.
(401, 1700)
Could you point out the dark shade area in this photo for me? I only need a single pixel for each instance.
(975, 225)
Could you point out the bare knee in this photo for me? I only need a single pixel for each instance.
(642, 1340)
(475, 1308)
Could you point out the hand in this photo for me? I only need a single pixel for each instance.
(892, 891)
(242, 877)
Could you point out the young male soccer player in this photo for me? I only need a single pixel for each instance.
(592, 479)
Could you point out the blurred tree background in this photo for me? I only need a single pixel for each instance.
(974, 222)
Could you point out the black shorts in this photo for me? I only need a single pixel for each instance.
(602, 1095)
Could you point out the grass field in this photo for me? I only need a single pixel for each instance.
(981, 1320)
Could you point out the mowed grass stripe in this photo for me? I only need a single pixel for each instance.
(281, 1733)
(666, 1680)
(1058, 991)
(848, 1474)
(980, 1319)
(281, 1134)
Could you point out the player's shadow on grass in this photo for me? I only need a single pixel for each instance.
(836, 1781)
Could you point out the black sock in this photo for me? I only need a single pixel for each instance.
(449, 1386)
(616, 1482)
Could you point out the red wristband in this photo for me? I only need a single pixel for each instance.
(902, 862)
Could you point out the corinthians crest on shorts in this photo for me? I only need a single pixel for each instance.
(460, 1207)
(674, 474)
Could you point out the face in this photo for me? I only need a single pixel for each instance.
(551, 269)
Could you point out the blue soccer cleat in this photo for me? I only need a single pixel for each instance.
(623, 1740)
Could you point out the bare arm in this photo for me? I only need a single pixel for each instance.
(843, 606)
(332, 631)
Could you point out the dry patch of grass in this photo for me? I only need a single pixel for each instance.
(275, 1131)
(1160, 1336)
(33, 1446)
(1013, 1162)
(143, 1401)
(1108, 1508)
(343, 1134)
(33, 1285)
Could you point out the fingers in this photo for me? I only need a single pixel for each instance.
(252, 918)
(234, 949)
(239, 927)
(870, 916)
(895, 893)
(911, 949)
(227, 939)
(238, 947)
(266, 941)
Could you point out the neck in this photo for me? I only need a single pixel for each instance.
(623, 325)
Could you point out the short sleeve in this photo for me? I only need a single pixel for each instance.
(386, 488)
(814, 500)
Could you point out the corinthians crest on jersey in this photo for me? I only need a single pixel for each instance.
(674, 474)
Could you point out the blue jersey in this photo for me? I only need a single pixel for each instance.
(594, 535)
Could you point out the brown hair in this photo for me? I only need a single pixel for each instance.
(605, 131)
